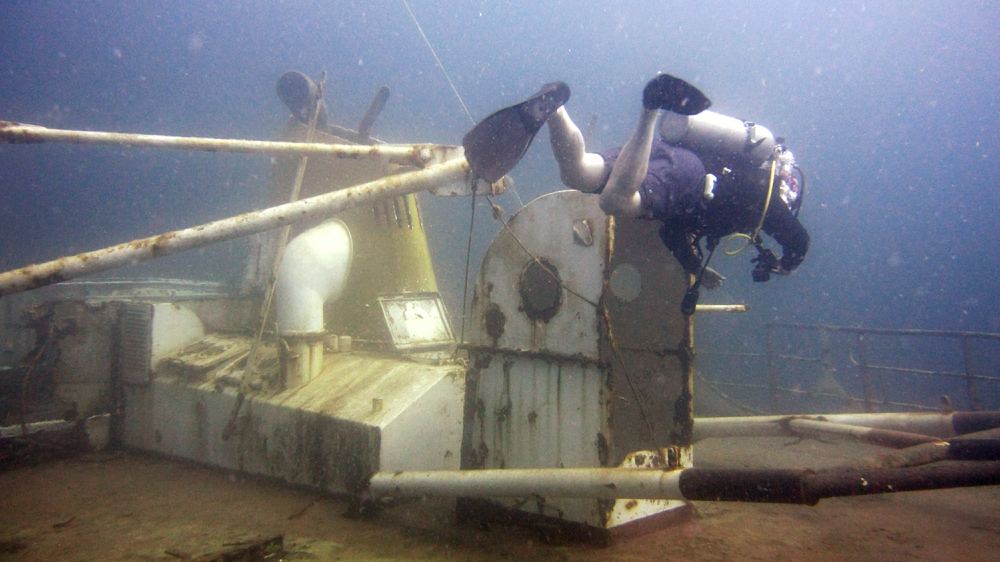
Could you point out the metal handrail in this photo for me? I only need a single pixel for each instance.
(887, 331)
(865, 367)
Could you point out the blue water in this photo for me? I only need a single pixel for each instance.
(890, 107)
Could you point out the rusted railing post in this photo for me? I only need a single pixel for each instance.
(970, 381)
(866, 378)
(772, 375)
(682, 434)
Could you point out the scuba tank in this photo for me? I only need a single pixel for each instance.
(719, 140)
(724, 143)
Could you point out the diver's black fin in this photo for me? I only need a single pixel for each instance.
(496, 144)
(673, 94)
(374, 108)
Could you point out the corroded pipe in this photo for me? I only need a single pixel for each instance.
(721, 308)
(696, 484)
(70, 267)
(417, 154)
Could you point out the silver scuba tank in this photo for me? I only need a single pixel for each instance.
(719, 140)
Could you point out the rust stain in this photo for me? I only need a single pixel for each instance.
(22, 136)
(495, 322)
(603, 449)
(414, 155)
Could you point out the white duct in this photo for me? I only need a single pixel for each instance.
(313, 271)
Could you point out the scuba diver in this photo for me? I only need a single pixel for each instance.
(708, 176)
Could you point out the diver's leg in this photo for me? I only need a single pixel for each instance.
(621, 195)
(577, 168)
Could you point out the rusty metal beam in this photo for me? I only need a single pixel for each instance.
(721, 308)
(416, 154)
(321, 206)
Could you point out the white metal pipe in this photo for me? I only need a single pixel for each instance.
(721, 308)
(600, 483)
(70, 267)
(813, 428)
(874, 436)
(19, 133)
(935, 425)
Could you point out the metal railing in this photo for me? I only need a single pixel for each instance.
(869, 368)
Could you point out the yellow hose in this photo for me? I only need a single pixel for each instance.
(760, 225)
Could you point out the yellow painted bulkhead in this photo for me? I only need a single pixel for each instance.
(391, 255)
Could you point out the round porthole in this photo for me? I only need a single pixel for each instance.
(541, 293)
(626, 283)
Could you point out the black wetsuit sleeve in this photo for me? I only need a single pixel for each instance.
(682, 244)
(782, 225)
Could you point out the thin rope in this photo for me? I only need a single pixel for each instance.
(468, 261)
(441, 66)
(628, 377)
(498, 213)
(609, 252)
(509, 184)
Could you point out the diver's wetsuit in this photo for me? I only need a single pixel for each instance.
(673, 193)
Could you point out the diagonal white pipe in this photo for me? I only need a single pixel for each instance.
(70, 267)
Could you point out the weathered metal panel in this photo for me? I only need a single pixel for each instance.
(541, 414)
(428, 433)
(567, 230)
(648, 327)
(83, 334)
(363, 413)
(533, 412)
(547, 389)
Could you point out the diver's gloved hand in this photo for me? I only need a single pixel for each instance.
(711, 279)
(780, 270)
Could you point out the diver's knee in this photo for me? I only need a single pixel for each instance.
(571, 179)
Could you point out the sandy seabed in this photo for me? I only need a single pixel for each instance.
(131, 506)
